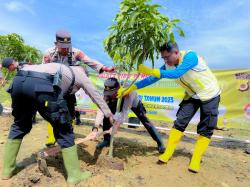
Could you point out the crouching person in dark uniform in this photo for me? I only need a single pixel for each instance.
(43, 87)
(130, 101)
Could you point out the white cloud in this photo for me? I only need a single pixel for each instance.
(16, 6)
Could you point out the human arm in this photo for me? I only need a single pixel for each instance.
(85, 83)
(190, 60)
(94, 64)
(123, 91)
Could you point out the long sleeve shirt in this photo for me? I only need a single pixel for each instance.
(52, 55)
(130, 100)
(81, 81)
(190, 60)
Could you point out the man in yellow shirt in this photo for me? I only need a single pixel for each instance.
(201, 92)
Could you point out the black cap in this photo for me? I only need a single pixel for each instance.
(7, 62)
(111, 86)
(63, 39)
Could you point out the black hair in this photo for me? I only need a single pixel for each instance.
(169, 46)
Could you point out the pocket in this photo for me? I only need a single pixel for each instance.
(44, 88)
(213, 119)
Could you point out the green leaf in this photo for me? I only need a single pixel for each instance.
(138, 32)
(152, 58)
(180, 31)
(171, 35)
(175, 20)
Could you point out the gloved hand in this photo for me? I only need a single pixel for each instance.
(125, 91)
(108, 69)
(149, 71)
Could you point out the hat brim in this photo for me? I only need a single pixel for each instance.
(64, 45)
(109, 93)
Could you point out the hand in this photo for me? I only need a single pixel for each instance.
(149, 71)
(108, 69)
(125, 91)
(110, 130)
(93, 135)
(115, 128)
(111, 119)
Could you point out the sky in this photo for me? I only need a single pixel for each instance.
(217, 30)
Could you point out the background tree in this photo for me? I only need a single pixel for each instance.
(138, 31)
(12, 45)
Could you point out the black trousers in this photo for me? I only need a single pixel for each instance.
(71, 103)
(28, 95)
(140, 112)
(208, 115)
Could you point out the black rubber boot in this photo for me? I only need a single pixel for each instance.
(104, 143)
(140, 112)
(156, 136)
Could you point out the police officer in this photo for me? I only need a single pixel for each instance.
(130, 101)
(201, 92)
(63, 52)
(12, 64)
(43, 87)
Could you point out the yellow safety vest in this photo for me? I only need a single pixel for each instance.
(199, 81)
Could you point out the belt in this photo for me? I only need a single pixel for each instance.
(34, 74)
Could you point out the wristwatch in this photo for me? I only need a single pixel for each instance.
(93, 128)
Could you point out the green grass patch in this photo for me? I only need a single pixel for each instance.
(5, 98)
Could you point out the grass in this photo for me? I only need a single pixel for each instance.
(5, 98)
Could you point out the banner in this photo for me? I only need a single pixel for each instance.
(162, 98)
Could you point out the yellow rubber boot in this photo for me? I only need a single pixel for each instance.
(50, 138)
(174, 138)
(74, 123)
(149, 71)
(200, 147)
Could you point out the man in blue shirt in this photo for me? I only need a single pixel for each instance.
(201, 92)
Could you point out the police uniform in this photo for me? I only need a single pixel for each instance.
(73, 58)
(35, 87)
(130, 101)
(43, 90)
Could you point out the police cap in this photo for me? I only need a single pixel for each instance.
(63, 39)
(111, 86)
